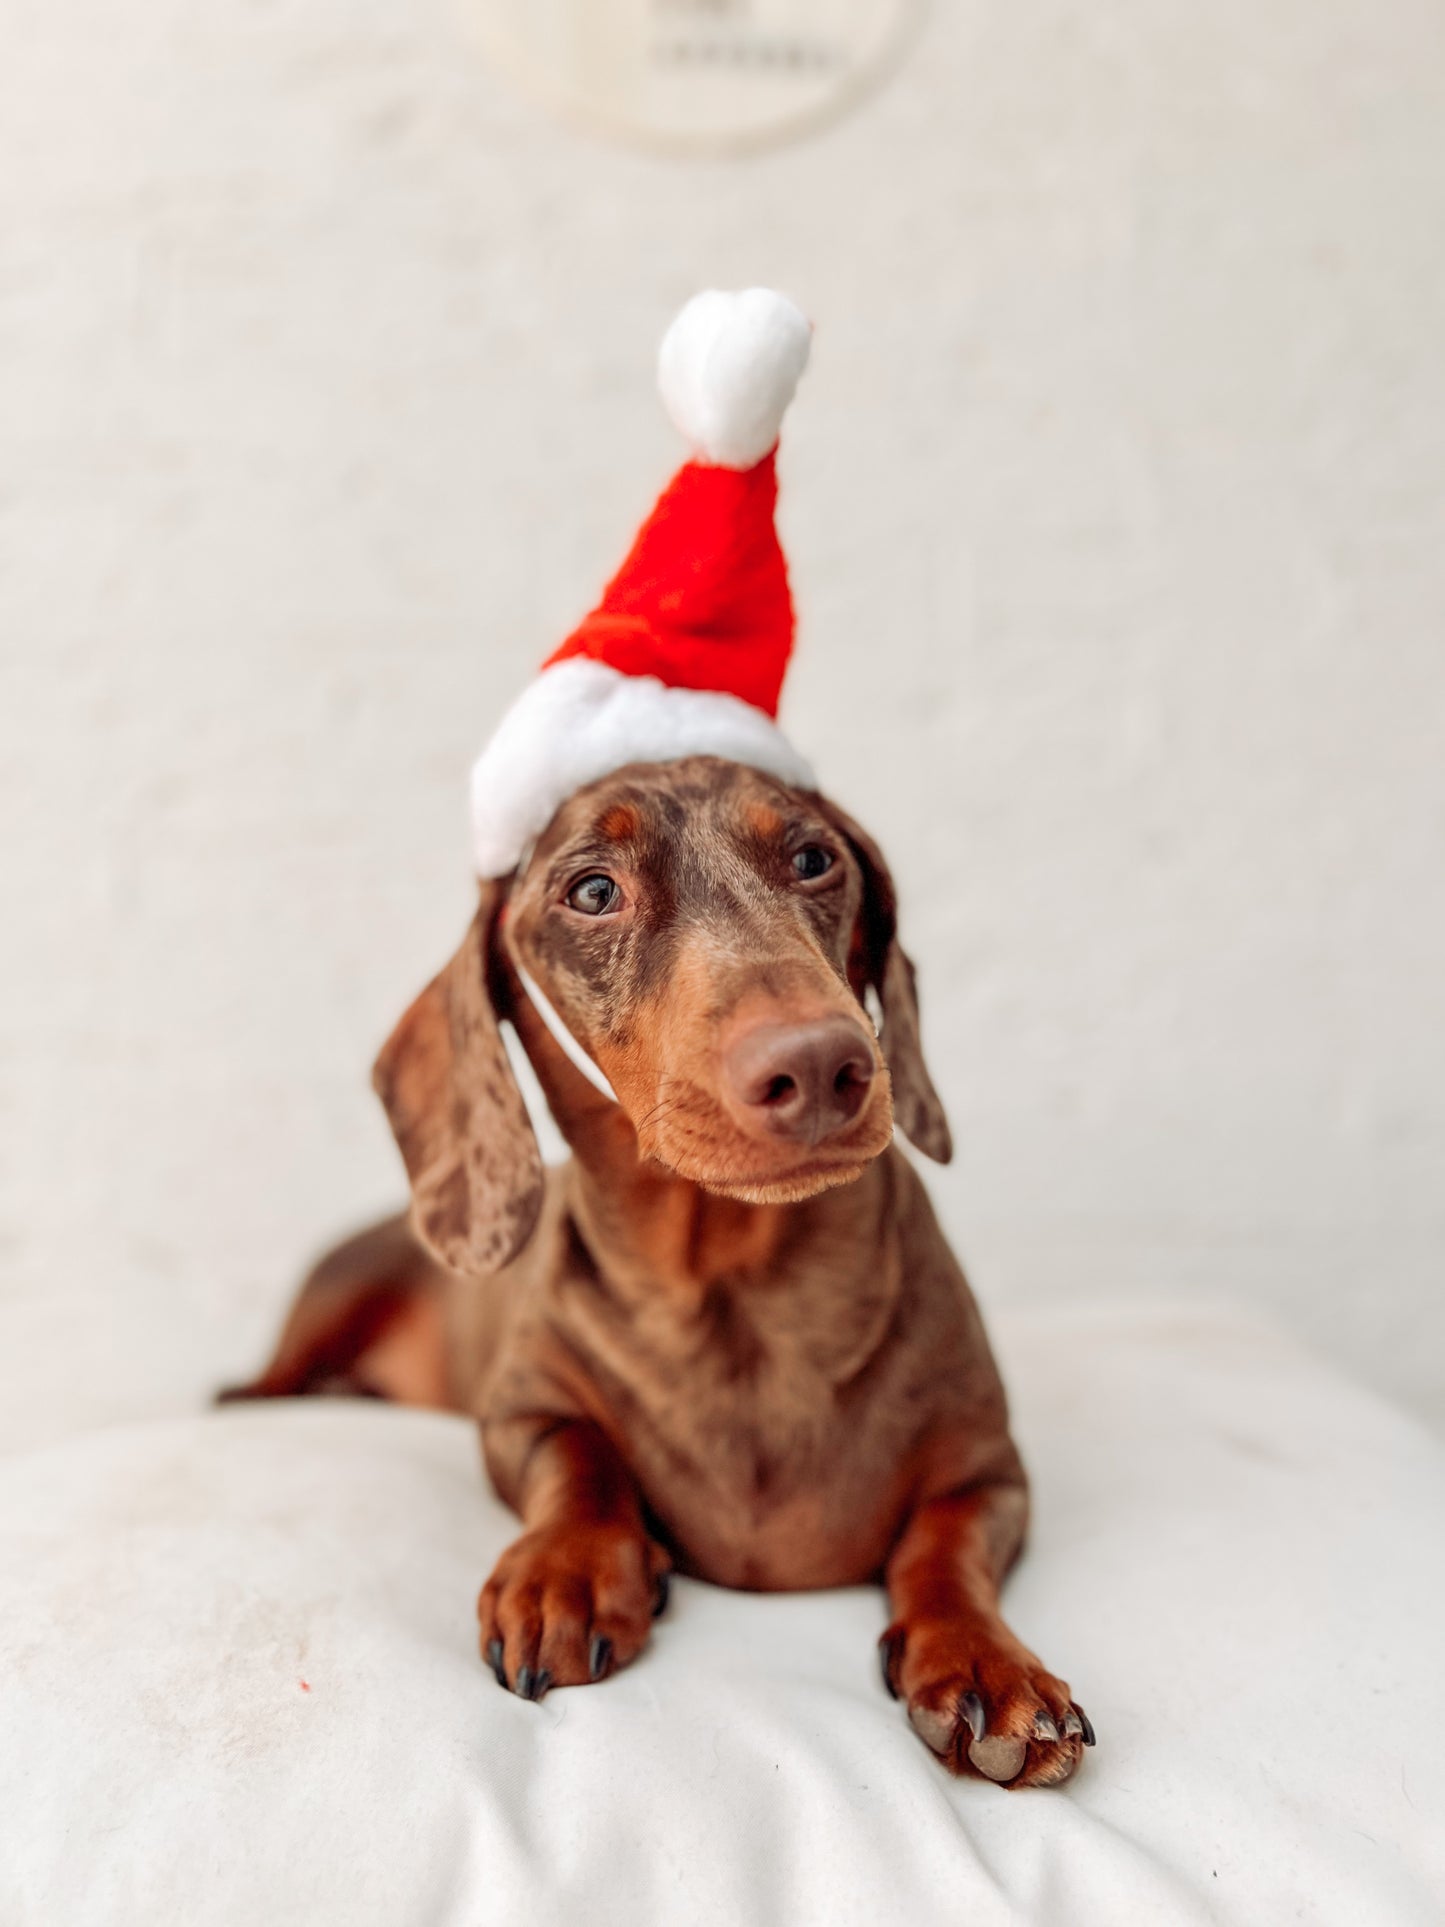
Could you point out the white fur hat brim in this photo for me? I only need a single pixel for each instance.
(581, 720)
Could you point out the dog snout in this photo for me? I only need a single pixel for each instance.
(803, 1082)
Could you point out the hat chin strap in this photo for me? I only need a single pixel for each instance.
(561, 1036)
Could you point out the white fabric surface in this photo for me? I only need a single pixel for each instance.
(1237, 1562)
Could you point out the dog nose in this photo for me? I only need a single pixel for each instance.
(802, 1081)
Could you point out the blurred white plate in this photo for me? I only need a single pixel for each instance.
(700, 76)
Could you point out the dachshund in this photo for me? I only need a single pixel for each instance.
(727, 1338)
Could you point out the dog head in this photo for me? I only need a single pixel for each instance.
(711, 939)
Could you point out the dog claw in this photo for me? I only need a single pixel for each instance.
(1044, 1727)
(1087, 1725)
(1073, 1725)
(494, 1660)
(971, 1707)
(530, 1685)
(661, 1593)
(599, 1656)
(889, 1648)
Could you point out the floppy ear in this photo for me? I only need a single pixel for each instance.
(884, 965)
(458, 1116)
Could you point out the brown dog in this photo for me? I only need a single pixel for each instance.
(728, 1336)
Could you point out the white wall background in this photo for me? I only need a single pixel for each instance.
(1116, 507)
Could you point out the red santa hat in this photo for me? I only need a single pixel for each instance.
(685, 653)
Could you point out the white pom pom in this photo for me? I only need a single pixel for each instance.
(727, 370)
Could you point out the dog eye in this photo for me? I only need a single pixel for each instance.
(812, 861)
(594, 896)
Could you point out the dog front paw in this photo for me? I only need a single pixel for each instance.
(568, 1604)
(983, 1703)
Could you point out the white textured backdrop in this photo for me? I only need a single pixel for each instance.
(1116, 506)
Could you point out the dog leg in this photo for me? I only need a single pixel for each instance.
(367, 1323)
(574, 1598)
(974, 1693)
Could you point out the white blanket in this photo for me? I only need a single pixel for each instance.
(239, 1681)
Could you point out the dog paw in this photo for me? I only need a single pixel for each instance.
(568, 1604)
(984, 1705)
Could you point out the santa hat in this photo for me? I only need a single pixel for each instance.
(685, 653)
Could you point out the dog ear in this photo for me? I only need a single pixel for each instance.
(884, 964)
(457, 1112)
